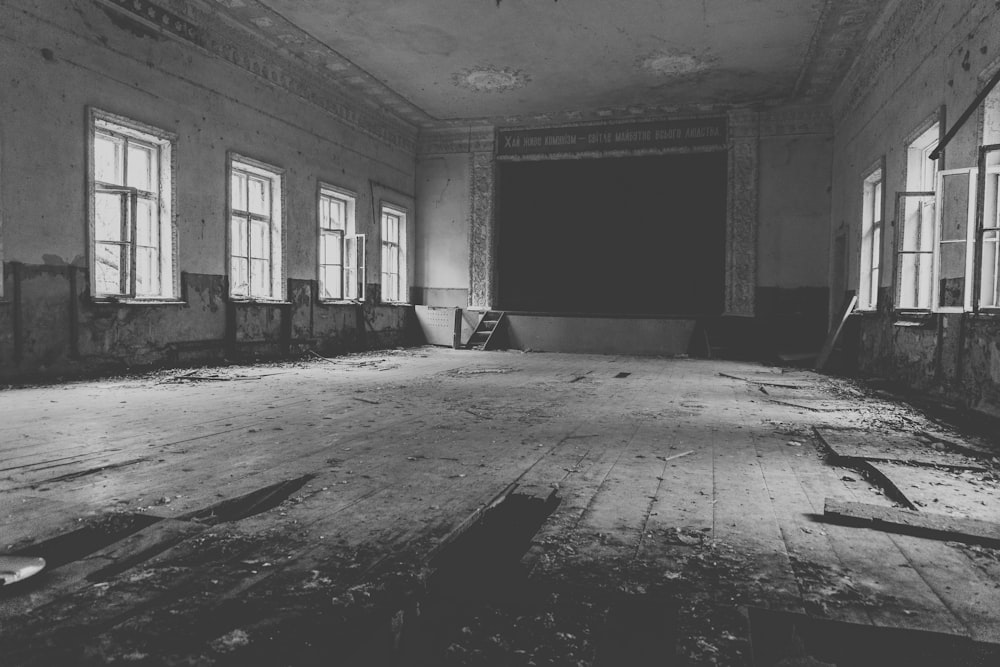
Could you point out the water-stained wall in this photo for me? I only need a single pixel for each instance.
(217, 92)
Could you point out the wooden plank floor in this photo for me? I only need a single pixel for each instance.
(677, 463)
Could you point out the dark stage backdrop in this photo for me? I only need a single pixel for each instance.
(641, 235)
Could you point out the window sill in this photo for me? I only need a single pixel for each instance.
(128, 301)
(914, 318)
(394, 303)
(340, 302)
(258, 301)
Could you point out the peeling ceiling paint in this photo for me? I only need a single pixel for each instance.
(490, 79)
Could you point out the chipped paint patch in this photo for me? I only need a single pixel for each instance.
(490, 79)
(672, 63)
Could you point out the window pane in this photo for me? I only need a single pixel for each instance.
(331, 249)
(260, 278)
(330, 280)
(238, 277)
(952, 275)
(140, 167)
(260, 242)
(238, 237)
(260, 195)
(955, 211)
(335, 213)
(147, 231)
(988, 286)
(108, 271)
(108, 159)
(147, 272)
(238, 185)
(108, 216)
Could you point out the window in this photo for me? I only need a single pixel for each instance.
(131, 224)
(988, 294)
(915, 215)
(989, 273)
(255, 230)
(954, 234)
(341, 251)
(393, 253)
(871, 240)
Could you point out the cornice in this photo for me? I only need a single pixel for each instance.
(879, 53)
(839, 34)
(456, 139)
(209, 26)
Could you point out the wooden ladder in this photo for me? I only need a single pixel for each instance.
(488, 325)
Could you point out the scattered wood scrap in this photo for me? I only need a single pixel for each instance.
(860, 444)
(771, 380)
(911, 522)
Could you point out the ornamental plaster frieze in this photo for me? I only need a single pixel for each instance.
(741, 227)
(207, 27)
(482, 230)
(467, 139)
(797, 120)
(842, 26)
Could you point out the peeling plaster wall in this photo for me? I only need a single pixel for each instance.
(60, 58)
(921, 56)
(442, 250)
(792, 242)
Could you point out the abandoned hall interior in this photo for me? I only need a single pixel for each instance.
(500, 332)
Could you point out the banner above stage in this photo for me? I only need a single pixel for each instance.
(680, 133)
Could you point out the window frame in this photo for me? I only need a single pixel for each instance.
(129, 130)
(872, 236)
(970, 251)
(352, 246)
(981, 229)
(398, 246)
(251, 167)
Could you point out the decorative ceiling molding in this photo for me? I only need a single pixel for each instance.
(814, 119)
(879, 53)
(840, 34)
(206, 25)
(457, 139)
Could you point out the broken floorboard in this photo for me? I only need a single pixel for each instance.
(897, 447)
(972, 494)
(921, 524)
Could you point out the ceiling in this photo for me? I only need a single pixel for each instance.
(438, 60)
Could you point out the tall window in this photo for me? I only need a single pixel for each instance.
(341, 251)
(915, 213)
(871, 240)
(989, 222)
(393, 253)
(954, 235)
(131, 224)
(255, 268)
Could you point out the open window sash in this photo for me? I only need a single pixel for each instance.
(954, 236)
(987, 259)
(354, 267)
(915, 220)
(114, 241)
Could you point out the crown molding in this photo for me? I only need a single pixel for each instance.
(210, 27)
